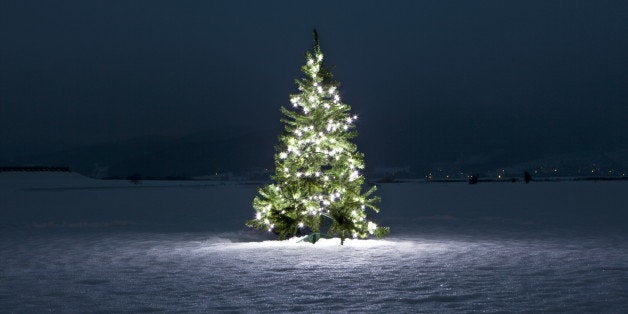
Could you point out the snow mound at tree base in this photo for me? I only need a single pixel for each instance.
(297, 242)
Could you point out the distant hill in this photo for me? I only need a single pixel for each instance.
(201, 153)
(243, 150)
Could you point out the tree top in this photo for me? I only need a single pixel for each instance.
(315, 38)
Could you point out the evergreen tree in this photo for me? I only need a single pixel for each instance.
(317, 180)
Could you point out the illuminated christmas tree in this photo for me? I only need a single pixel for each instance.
(317, 180)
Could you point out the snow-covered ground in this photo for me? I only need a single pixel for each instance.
(69, 243)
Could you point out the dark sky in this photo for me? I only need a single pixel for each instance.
(433, 73)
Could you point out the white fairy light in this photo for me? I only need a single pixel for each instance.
(301, 225)
(371, 226)
(283, 155)
(354, 175)
(258, 216)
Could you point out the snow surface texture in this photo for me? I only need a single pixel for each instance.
(81, 245)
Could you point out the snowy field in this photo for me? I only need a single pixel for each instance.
(72, 244)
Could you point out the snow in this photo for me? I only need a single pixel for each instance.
(69, 243)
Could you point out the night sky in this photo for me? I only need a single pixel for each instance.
(429, 79)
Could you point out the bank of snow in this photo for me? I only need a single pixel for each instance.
(73, 244)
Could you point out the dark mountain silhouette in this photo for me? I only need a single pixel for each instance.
(218, 150)
(243, 149)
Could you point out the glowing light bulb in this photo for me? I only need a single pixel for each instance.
(258, 216)
(283, 155)
(354, 175)
(371, 226)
